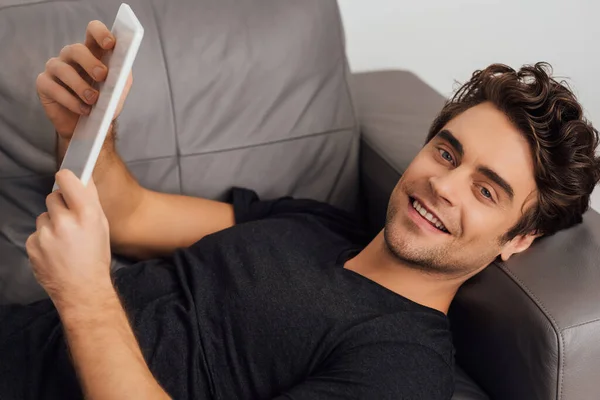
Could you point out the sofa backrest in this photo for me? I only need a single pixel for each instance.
(226, 93)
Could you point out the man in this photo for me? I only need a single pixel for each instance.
(285, 298)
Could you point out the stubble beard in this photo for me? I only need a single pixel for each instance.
(432, 261)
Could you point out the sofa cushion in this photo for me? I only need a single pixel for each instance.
(226, 93)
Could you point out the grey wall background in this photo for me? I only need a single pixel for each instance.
(444, 41)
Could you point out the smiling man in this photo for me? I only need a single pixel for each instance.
(450, 213)
(286, 299)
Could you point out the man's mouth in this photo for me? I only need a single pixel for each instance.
(428, 215)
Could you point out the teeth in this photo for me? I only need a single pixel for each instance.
(428, 216)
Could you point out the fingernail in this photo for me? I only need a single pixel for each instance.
(85, 109)
(89, 94)
(106, 42)
(98, 71)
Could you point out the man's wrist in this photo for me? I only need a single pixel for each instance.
(108, 147)
(88, 303)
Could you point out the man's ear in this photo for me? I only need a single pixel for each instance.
(517, 244)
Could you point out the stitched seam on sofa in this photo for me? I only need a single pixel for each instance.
(20, 204)
(143, 160)
(546, 313)
(35, 3)
(200, 153)
(341, 170)
(31, 175)
(171, 100)
(9, 240)
(345, 69)
(11, 158)
(597, 320)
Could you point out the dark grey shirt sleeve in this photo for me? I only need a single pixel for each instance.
(380, 371)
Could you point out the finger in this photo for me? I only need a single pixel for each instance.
(91, 187)
(65, 73)
(50, 89)
(56, 205)
(79, 55)
(32, 245)
(72, 189)
(129, 82)
(42, 221)
(92, 192)
(98, 38)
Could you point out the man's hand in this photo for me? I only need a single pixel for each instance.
(66, 92)
(65, 87)
(133, 212)
(70, 254)
(70, 249)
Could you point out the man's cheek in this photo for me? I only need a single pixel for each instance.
(479, 225)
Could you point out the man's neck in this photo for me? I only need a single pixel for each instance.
(378, 264)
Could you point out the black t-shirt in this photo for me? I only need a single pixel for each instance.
(263, 310)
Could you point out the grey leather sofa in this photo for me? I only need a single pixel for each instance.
(257, 93)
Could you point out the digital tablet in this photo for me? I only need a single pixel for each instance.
(91, 130)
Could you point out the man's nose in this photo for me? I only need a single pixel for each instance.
(448, 186)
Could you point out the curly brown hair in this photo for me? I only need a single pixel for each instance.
(561, 140)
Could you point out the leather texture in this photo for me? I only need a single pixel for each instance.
(226, 93)
(523, 330)
(465, 388)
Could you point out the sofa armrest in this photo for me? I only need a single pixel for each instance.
(525, 329)
(395, 109)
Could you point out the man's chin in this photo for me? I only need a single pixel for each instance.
(404, 246)
(400, 243)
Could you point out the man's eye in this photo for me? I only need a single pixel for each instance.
(446, 156)
(486, 193)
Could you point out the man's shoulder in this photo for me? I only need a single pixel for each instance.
(309, 215)
(400, 366)
(411, 330)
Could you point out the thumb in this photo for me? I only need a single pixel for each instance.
(71, 189)
(92, 190)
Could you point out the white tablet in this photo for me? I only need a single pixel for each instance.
(91, 130)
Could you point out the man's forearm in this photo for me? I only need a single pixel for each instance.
(146, 224)
(118, 190)
(164, 222)
(105, 353)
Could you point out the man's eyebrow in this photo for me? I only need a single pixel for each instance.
(454, 142)
(486, 171)
(497, 179)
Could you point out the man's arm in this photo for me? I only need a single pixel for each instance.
(146, 224)
(70, 257)
(378, 370)
(105, 353)
(143, 223)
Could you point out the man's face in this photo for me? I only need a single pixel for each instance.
(476, 176)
